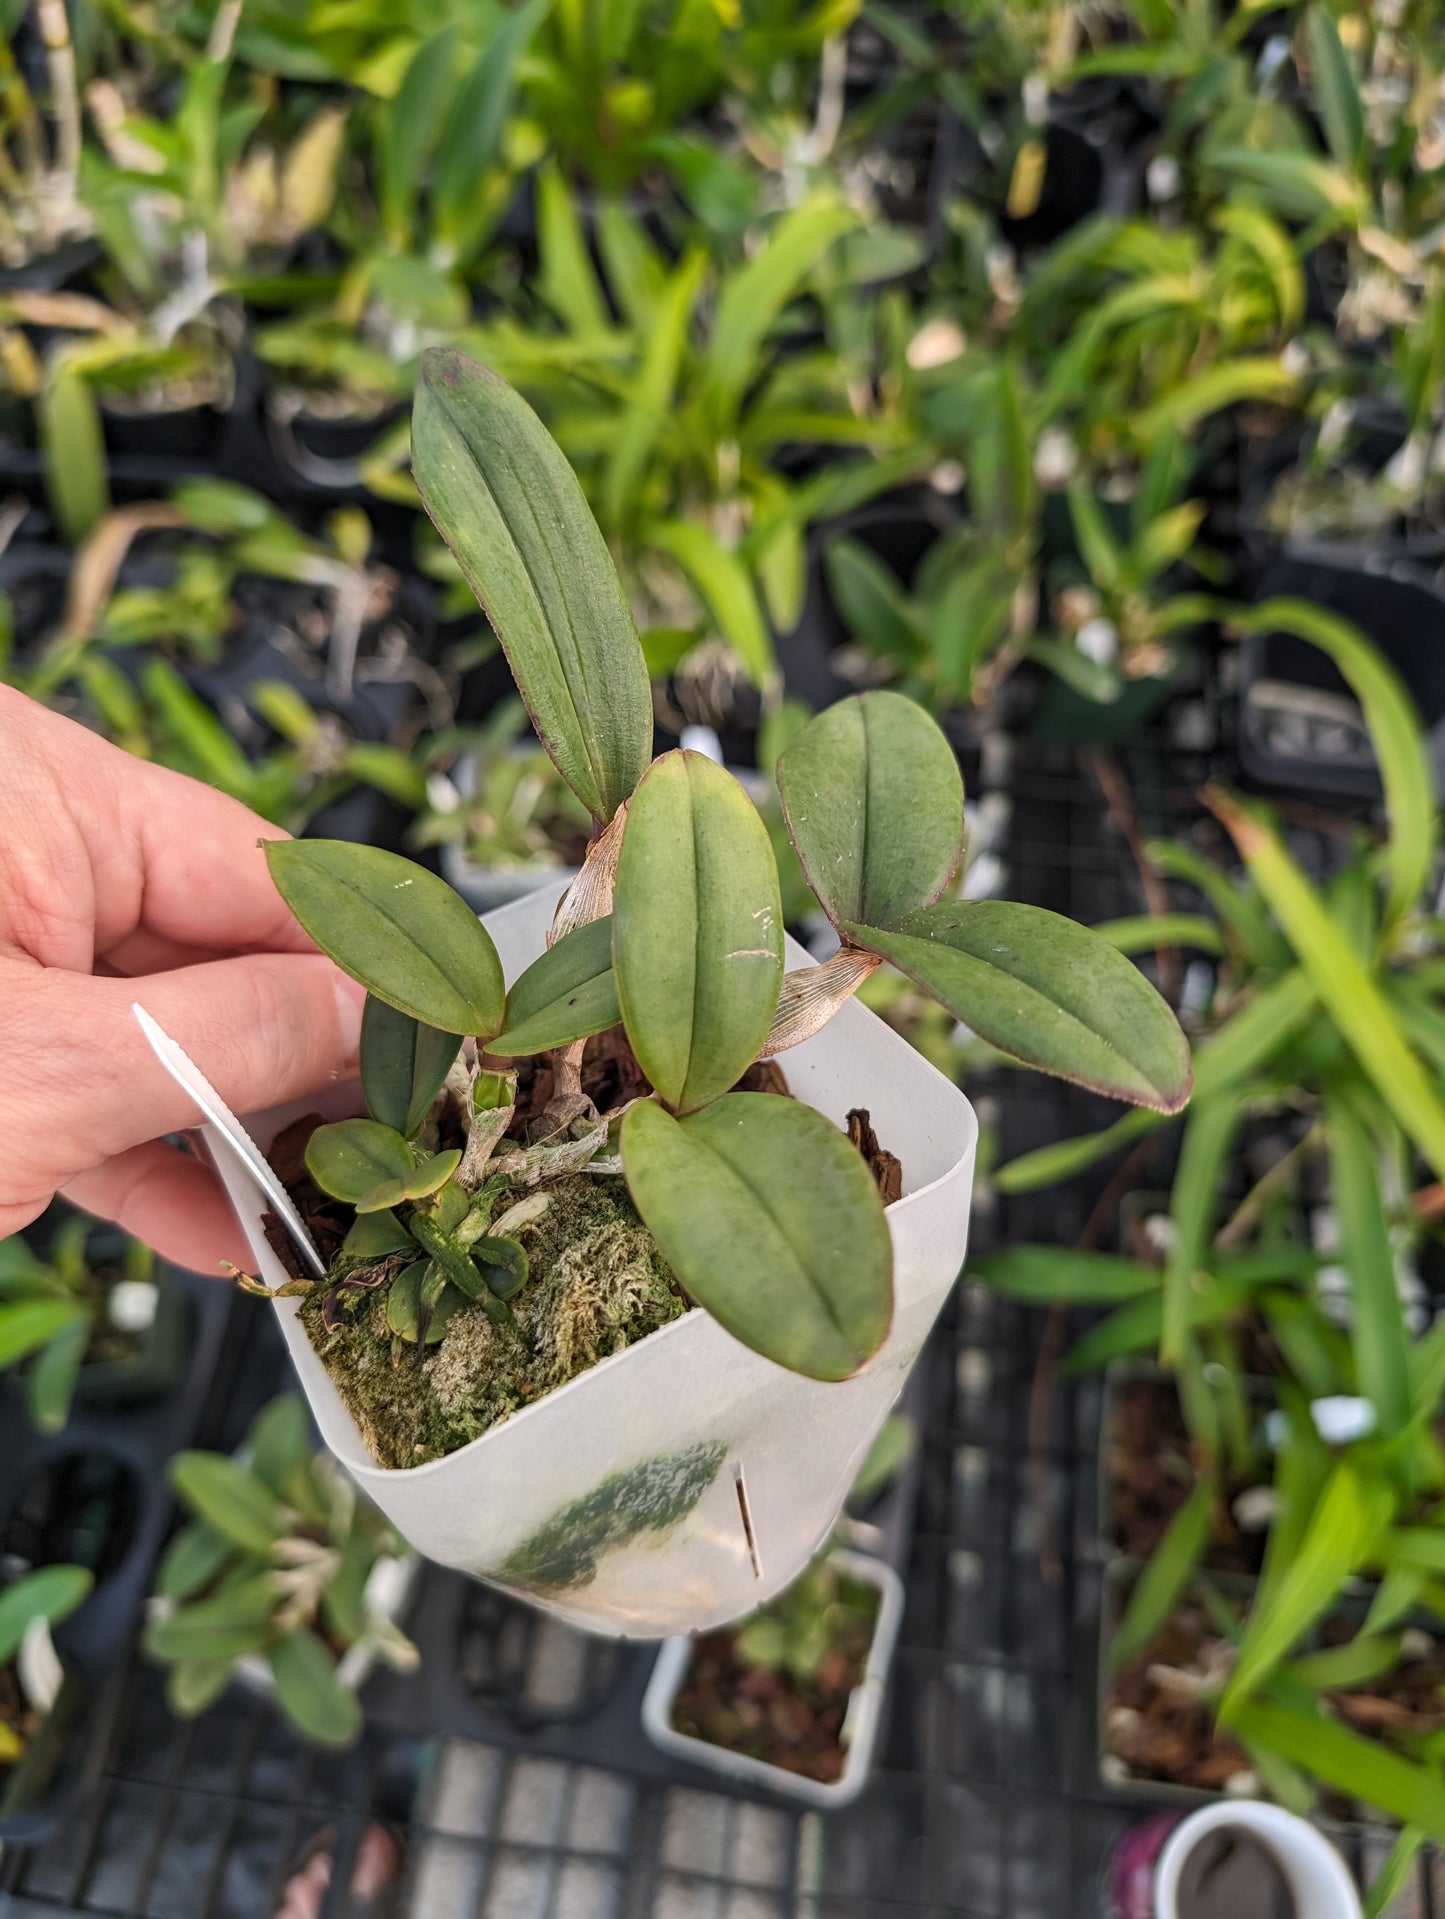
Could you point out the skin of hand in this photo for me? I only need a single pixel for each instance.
(121, 882)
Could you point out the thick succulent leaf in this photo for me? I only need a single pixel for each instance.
(509, 506)
(374, 1235)
(505, 1264)
(697, 929)
(772, 1222)
(403, 1064)
(874, 803)
(230, 1499)
(420, 1183)
(353, 1156)
(405, 1298)
(51, 1592)
(397, 928)
(310, 1692)
(1046, 991)
(568, 994)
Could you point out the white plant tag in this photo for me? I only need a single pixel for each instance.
(187, 1075)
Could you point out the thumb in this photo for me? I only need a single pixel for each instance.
(264, 1028)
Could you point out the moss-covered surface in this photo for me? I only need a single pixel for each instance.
(651, 1497)
(598, 1284)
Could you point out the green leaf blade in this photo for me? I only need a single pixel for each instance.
(350, 1158)
(697, 929)
(772, 1222)
(395, 927)
(230, 1499)
(568, 994)
(51, 1593)
(1047, 992)
(311, 1693)
(509, 506)
(873, 798)
(403, 1065)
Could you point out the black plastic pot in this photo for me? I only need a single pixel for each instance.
(316, 456)
(1300, 726)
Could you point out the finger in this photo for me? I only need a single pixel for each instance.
(263, 1029)
(145, 952)
(170, 1201)
(164, 852)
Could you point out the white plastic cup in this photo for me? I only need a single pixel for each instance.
(765, 1456)
(1318, 1878)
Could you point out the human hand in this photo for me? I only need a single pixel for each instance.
(121, 882)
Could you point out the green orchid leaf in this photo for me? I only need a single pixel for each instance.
(772, 1222)
(191, 1561)
(568, 994)
(403, 1065)
(1203, 1163)
(1363, 1768)
(1047, 992)
(1047, 1275)
(1163, 1580)
(195, 1684)
(51, 1593)
(28, 1324)
(310, 1691)
(505, 1261)
(1335, 89)
(395, 927)
(451, 1206)
(1344, 1531)
(232, 1500)
(350, 1158)
(278, 1441)
(873, 798)
(404, 1301)
(50, 1383)
(697, 930)
(510, 507)
(236, 1621)
(1378, 1332)
(1395, 731)
(1348, 989)
(374, 1235)
(420, 1183)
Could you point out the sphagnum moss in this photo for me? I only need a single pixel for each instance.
(598, 1284)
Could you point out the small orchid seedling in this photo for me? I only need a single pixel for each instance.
(767, 1214)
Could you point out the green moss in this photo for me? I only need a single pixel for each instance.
(651, 1497)
(598, 1284)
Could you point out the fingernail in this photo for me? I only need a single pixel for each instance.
(350, 998)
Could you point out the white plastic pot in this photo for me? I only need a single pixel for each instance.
(860, 1727)
(679, 1484)
(1318, 1879)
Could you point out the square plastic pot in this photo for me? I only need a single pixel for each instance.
(860, 1727)
(679, 1484)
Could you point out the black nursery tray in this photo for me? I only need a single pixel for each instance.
(96, 1494)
